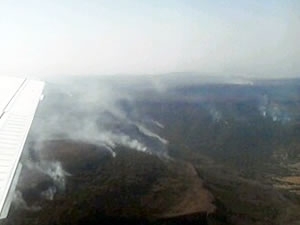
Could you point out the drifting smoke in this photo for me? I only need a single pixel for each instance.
(273, 110)
(51, 169)
(90, 111)
(49, 193)
(215, 114)
(56, 172)
(149, 133)
(158, 124)
(21, 203)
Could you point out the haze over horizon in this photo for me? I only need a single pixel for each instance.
(248, 38)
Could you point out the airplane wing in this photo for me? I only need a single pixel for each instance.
(19, 99)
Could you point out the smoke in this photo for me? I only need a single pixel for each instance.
(273, 110)
(215, 114)
(49, 193)
(93, 111)
(149, 133)
(158, 124)
(19, 201)
(96, 111)
(55, 171)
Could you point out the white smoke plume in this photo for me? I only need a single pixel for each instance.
(149, 133)
(273, 110)
(215, 114)
(52, 169)
(19, 201)
(158, 124)
(49, 193)
(89, 111)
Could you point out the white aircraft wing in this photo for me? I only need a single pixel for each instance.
(19, 99)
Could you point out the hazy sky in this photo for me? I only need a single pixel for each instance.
(239, 37)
